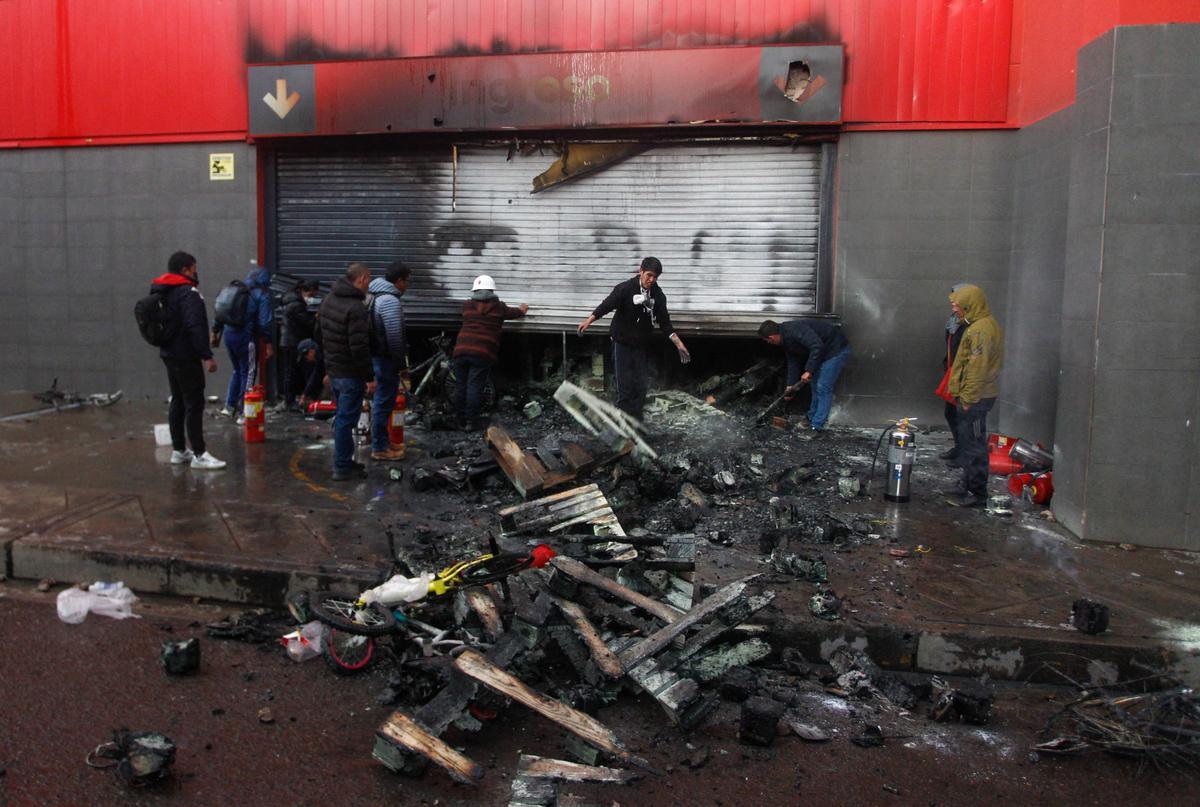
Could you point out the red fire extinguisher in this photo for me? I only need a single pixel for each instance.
(396, 422)
(1039, 487)
(255, 416)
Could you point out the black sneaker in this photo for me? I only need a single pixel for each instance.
(967, 500)
(949, 456)
(348, 474)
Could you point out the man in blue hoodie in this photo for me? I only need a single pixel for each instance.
(249, 342)
(186, 357)
(388, 355)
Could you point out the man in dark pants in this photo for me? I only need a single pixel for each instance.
(477, 347)
(639, 304)
(186, 357)
(389, 356)
(344, 332)
(816, 351)
(297, 326)
(974, 384)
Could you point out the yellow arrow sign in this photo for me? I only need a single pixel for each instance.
(281, 103)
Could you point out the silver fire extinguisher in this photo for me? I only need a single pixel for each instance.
(902, 450)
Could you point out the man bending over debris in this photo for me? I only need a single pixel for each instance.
(639, 304)
(477, 347)
(974, 385)
(827, 349)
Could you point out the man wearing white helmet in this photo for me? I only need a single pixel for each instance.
(477, 347)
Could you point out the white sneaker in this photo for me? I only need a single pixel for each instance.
(226, 412)
(241, 420)
(180, 457)
(207, 462)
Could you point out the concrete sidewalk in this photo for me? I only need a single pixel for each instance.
(87, 495)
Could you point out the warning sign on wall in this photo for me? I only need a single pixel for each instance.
(220, 166)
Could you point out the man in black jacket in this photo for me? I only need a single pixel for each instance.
(186, 357)
(639, 304)
(344, 333)
(816, 351)
(298, 324)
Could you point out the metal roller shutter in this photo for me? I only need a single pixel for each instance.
(735, 225)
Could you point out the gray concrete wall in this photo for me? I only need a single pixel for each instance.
(1029, 393)
(917, 213)
(1127, 455)
(83, 232)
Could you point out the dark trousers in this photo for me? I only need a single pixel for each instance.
(951, 413)
(291, 375)
(312, 375)
(348, 393)
(186, 413)
(470, 380)
(973, 446)
(629, 367)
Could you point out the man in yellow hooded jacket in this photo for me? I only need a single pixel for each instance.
(974, 383)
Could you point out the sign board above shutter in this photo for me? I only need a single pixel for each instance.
(584, 90)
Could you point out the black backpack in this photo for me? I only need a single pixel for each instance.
(229, 309)
(156, 319)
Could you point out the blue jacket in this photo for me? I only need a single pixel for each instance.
(818, 338)
(260, 308)
(389, 322)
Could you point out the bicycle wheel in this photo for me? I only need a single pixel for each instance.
(348, 653)
(496, 568)
(341, 611)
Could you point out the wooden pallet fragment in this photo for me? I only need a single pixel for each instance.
(473, 664)
(401, 730)
(541, 469)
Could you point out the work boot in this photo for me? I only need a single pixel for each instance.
(181, 457)
(967, 500)
(954, 492)
(390, 455)
(349, 474)
(207, 462)
(949, 456)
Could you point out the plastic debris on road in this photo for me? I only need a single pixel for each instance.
(107, 599)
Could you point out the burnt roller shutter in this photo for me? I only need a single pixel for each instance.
(735, 225)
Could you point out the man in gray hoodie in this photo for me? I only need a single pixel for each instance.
(388, 355)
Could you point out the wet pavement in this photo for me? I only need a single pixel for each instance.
(316, 750)
(87, 495)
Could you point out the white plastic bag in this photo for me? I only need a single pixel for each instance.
(107, 599)
(306, 643)
(398, 589)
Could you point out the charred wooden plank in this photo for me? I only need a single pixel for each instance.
(472, 663)
(605, 660)
(545, 451)
(565, 771)
(577, 458)
(575, 569)
(402, 730)
(512, 461)
(709, 607)
(485, 608)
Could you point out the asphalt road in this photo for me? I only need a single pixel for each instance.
(66, 687)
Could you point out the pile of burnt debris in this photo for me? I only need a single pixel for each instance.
(619, 611)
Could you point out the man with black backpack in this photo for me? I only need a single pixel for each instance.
(245, 312)
(177, 323)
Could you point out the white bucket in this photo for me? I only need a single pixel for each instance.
(162, 434)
